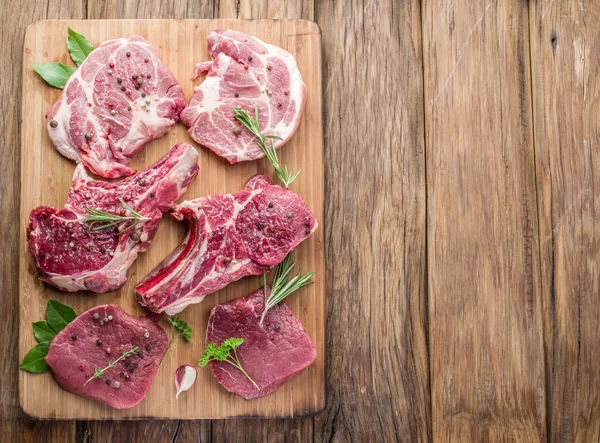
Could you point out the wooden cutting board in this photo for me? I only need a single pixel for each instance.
(46, 178)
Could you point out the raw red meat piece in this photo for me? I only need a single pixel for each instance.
(271, 354)
(244, 72)
(229, 236)
(113, 105)
(72, 257)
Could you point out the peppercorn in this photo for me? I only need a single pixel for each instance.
(53, 123)
(103, 250)
(249, 59)
(148, 76)
(129, 108)
(122, 88)
(143, 94)
(88, 136)
(121, 374)
(279, 105)
(236, 94)
(152, 194)
(147, 347)
(268, 67)
(131, 370)
(137, 86)
(260, 226)
(73, 337)
(227, 260)
(134, 77)
(307, 231)
(277, 328)
(119, 80)
(140, 355)
(145, 60)
(96, 316)
(270, 204)
(307, 223)
(289, 215)
(127, 363)
(98, 342)
(128, 54)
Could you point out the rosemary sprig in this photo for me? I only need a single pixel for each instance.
(181, 330)
(97, 216)
(252, 125)
(223, 353)
(98, 372)
(281, 286)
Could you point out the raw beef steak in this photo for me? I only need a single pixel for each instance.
(95, 338)
(244, 72)
(73, 257)
(271, 354)
(121, 97)
(229, 237)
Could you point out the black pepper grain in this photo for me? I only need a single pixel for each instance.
(98, 342)
(270, 204)
(102, 250)
(147, 347)
(227, 260)
(126, 363)
(260, 226)
(143, 94)
(134, 77)
(307, 231)
(129, 108)
(148, 76)
(236, 94)
(131, 370)
(73, 337)
(88, 136)
(289, 215)
(137, 86)
(306, 223)
(152, 194)
(140, 355)
(279, 105)
(277, 328)
(119, 80)
(249, 59)
(53, 123)
(107, 381)
(128, 54)
(122, 88)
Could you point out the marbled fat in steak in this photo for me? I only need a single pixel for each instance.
(229, 236)
(271, 354)
(72, 257)
(99, 336)
(120, 98)
(244, 72)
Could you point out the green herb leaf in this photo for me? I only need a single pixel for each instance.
(182, 327)
(99, 372)
(97, 216)
(281, 287)
(54, 73)
(43, 332)
(227, 353)
(34, 360)
(253, 126)
(58, 315)
(79, 47)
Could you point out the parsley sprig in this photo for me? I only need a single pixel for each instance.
(253, 126)
(182, 329)
(227, 353)
(281, 286)
(108, 219)
(99, 372)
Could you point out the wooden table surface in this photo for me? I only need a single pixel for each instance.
(463, 191)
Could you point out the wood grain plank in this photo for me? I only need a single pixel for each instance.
(485, 316)
(49, 179)
(280, 430)
(138, 9)
(377, 369)
(565, 68)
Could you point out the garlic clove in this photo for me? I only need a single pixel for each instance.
(185, 376)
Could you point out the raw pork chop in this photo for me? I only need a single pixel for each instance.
(72, 257)
(93, 339)
(244, 72)
(229, 237)
(113, 105)
(271, 354)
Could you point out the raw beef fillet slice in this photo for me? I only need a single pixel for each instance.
(72, 257)
(244, 72)
(271, 354)
(229, 236)
(98, 336)
(113, 105)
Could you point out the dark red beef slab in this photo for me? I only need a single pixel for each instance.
(85, 345)
(271, 354)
